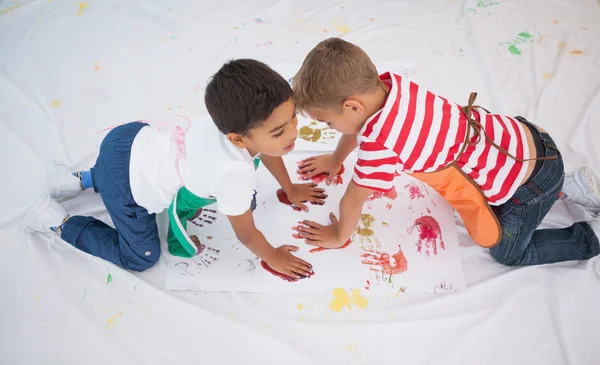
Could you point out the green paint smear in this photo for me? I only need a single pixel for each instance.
(108, 278)
(485, 3)
(525, 35)
(514, 50)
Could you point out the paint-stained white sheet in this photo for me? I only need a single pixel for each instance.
(406, 242)
(69, 69)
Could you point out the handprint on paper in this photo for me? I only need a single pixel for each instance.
(206, 255)
(430, 235)
(382, 262)
(311, 133)
(202, 216)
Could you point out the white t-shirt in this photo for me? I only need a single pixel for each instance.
(211, 168)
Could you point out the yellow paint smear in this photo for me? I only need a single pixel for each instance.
(83, 5)
(111, 321)
(367, 220)
(300, 306)
(358, 300)
(576, 52)
(340, 300)
(547, 76)
(55, 104)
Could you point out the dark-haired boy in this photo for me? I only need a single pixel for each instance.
(141, 170)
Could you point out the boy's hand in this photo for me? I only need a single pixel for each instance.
(301, 193)
(316, 165)
(285, 263)
(323, 236)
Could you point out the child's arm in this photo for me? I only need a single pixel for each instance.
(331, 163)
(297, 193)
(279, 259)
(335, 234)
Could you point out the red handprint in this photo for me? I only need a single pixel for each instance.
(429, 234)
(385, 263)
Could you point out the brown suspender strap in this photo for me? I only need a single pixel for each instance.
(478, 129)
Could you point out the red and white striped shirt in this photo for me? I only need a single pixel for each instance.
(418, 131)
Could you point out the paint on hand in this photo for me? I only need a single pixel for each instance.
(430, 235)
(319, 249)
(283, 199)
(279, 275)
(337, 180)
(392, 195)
(111, 321)
(384, 263)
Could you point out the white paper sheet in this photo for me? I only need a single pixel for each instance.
(397, 247)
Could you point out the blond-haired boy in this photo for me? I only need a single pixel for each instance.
(501, 174)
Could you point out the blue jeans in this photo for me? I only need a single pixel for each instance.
(134, 244)
(521, 243)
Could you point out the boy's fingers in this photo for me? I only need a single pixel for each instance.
(333, 218)
(303, 207)
(290, 248)
(292, 274)
(304, 265)
(305, 168)
(308, 229)
(317, 201)
(301, 271)
(312, 242)
(312, 224)
(309, 235)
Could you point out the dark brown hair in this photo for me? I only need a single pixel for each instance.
(243, 94)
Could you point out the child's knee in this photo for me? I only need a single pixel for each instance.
(142, 259)
(503, 257)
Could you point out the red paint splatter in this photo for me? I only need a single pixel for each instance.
(280, 275)
(384, 263)
(282, 196)
(429, 234)
(337, 180)
(319, 249)
(414, 191)
(388, 206)
(368, 286)
(428, 211)
(392, 195)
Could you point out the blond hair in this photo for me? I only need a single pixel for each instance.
(331, 72)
